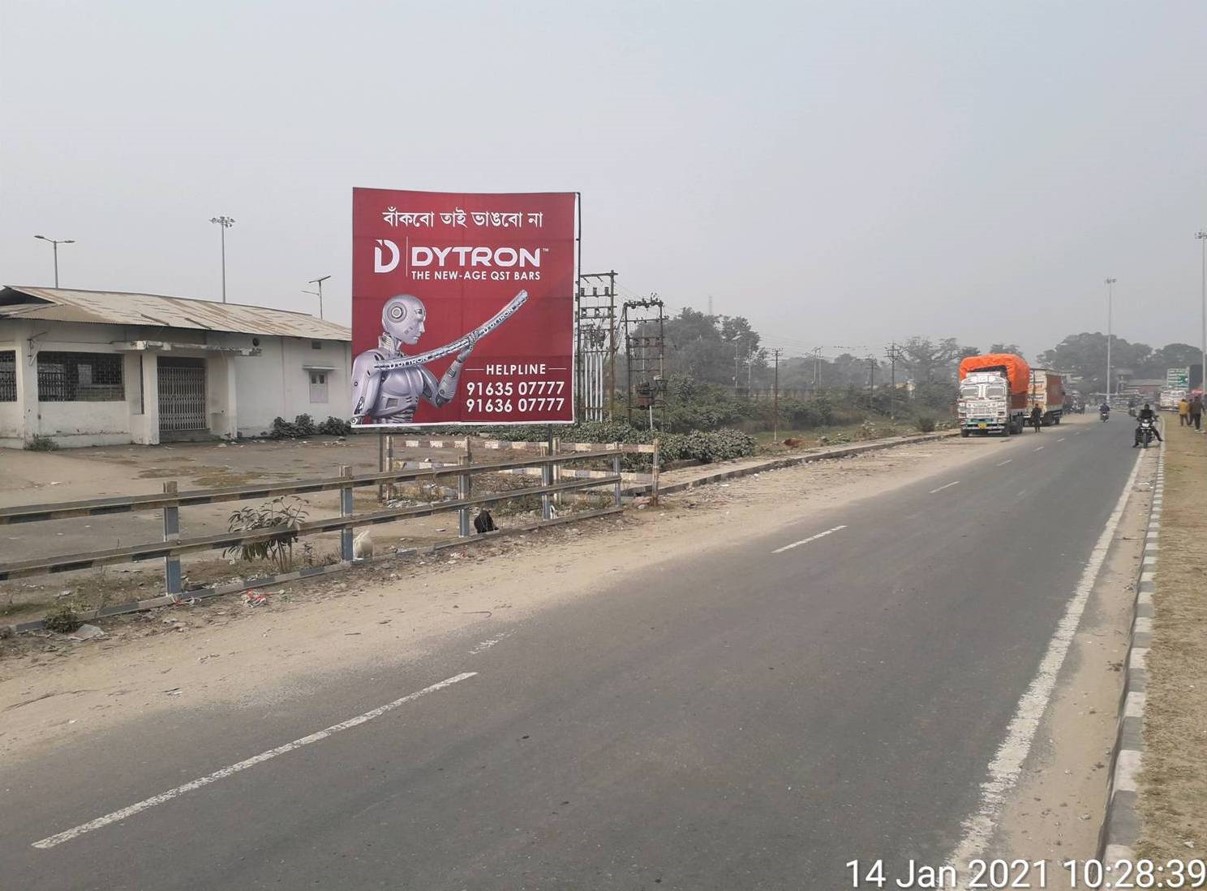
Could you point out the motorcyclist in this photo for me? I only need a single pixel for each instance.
(1105, 409)
(1146, 414)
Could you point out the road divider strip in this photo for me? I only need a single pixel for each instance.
(225, 772)
(804, 541)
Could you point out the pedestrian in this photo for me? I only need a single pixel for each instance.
(1037, 417)
(1196, 411)
(1184, 412)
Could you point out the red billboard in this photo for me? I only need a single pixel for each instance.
(462, 308)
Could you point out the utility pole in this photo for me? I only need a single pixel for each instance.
(892, 358)
(1110, 298)
(55, 242)
(871, 380)
(319, 281)
(225, 222)
(775, 411)
(1201, 235)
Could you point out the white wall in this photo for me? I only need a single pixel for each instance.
(11, 432)
(75, 423)
(276, 383)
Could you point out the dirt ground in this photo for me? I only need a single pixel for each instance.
(69, 475)
(221, 651)
(1173, 782)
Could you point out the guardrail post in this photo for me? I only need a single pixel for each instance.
(654, 475)
(346, 509)
(547, 480)
(616, 471)
(173, 578)
(465, 488)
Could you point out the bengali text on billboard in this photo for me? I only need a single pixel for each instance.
(462, 308)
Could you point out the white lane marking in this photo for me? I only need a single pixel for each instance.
(1007, 763)
(1022, 493)
(1062, 439)
(1004, 463)
(797, 544)
(1038, 449)
(225, 772)
(941, 488)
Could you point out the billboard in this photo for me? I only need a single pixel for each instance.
(462, 308)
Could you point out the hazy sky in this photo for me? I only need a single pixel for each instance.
(840, 172)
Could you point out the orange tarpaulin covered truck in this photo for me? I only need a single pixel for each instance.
(994, 392)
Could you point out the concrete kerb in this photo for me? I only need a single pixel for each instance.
(1121, 826)
(794, 461)
(197, 594)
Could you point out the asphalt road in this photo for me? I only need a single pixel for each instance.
(750, 720)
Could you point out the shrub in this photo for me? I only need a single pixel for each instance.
(335, 427)
(925, 424)
(284, 513)
(63, 620)
(305, 425)
(40, 443)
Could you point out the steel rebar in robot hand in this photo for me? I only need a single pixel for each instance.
(461, 343)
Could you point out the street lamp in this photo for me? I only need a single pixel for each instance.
(319, 292)
(1110, 286)
(56, 243)
(1201, 235)
(225, 223)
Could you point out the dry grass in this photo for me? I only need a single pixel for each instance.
(1173, 785)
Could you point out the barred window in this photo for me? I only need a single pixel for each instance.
(8, 375)
(80, 377)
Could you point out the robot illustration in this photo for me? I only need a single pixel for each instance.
(388, 385)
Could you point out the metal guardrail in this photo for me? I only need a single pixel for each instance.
(170, 502)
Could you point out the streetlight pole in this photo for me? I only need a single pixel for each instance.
(225, 223)
(55, 243)
(1201, 235)
(1110, 295)
(319, 282)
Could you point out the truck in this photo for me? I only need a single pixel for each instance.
(994, 392)
(1047, 390)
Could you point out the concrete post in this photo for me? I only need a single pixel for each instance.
(616, 471)
(547, 480)
(464, 491)
(173, 577)
(346, 509)
(654, 477)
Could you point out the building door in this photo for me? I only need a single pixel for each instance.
(181, 396)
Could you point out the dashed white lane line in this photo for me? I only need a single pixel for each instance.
(1004, 463)
(1007, 763)
(941, 488)
(1062, 439)
(225, 772)
(1038, 449)
(804, 541)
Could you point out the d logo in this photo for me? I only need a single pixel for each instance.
(392, 263)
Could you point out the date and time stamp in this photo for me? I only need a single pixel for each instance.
(1036, 874)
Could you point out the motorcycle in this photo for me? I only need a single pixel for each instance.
(1104, 416)
(1145, 430)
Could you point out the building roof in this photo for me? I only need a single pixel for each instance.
(119, 308)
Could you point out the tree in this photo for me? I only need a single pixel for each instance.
(1007, 348)
(929, 361)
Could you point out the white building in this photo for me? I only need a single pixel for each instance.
(99, 368)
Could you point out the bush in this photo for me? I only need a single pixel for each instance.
(283, 513)
(925, 424)
(335, 427)
(63, 620)
(303, 425)
(40, 443)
